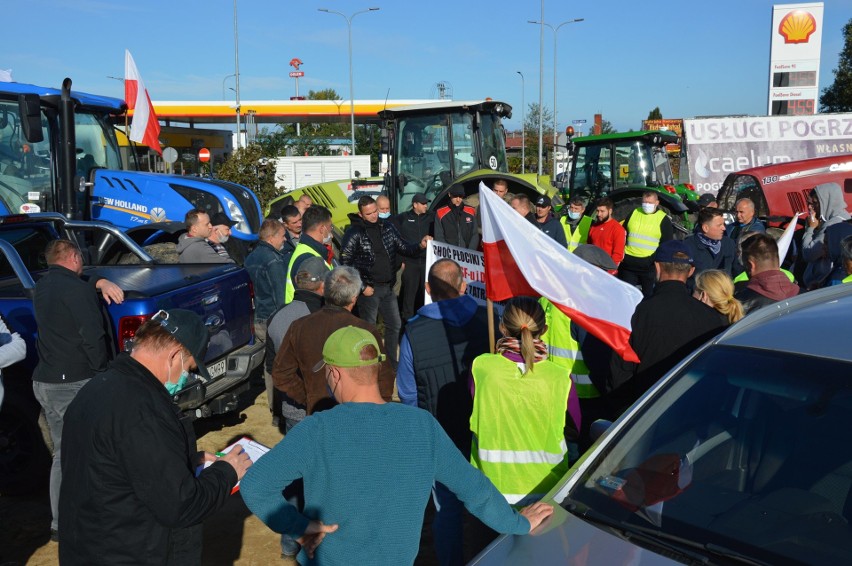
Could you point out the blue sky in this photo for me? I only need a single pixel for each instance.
(689, 58)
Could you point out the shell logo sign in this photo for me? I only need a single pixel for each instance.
(797, 27)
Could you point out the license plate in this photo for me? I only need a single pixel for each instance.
(217, 369)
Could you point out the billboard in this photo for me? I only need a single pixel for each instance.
(716, 147)
(794, 59)
(671, 124)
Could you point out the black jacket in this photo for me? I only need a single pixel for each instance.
(73, 343)
(442, 355)
(553, 228)
(666, 327)
(413, 227)
(357, 249)
(128, 472)
(457, 226)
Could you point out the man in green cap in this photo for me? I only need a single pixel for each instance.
(365, 488)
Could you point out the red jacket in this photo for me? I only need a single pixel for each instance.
(610, 236)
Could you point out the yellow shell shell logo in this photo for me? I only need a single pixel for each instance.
(797, 27)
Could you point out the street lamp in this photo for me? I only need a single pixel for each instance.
(351, 89)
(237, 72)
(555, 34)
(523, 125)
(223, 84)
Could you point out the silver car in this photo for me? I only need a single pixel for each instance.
(740, 455)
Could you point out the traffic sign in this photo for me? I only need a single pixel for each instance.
(204, 155)
(578, 121)
(295, 74)
(170, 155)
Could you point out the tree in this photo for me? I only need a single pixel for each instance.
(655, 114)
(249, 167)
(531, 138)
(838, 97)
(607, 127)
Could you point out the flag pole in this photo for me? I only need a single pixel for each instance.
(490, 309)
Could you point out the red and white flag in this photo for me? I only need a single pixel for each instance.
(520, 259)
(145, 128)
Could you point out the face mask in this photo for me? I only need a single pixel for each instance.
(574, 215)
(648, 207)
(173, 388)
(330, 390)
(327, 239)
(384, 215)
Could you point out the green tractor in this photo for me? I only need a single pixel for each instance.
(624, 165)
(431, 148)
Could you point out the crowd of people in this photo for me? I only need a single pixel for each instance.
(487, 431)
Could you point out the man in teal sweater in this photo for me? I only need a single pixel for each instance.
(368, 468)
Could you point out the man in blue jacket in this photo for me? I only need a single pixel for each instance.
(437, 350)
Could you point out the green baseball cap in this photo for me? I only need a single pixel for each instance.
(343, 348)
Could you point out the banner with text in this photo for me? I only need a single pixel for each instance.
(716, 147)
(472, 265)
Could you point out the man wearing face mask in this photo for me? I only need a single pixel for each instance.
(134, 491)
(383, 206)
(220, 235)
(647, 227)
(314, 241)
(575, 224)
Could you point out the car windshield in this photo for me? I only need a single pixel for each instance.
(745, 450)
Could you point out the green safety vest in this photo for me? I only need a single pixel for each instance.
(643, 233)
(580, 235)
(517, 423)
(564, 351)
(847, 279)
(744, 276)
(289, 287)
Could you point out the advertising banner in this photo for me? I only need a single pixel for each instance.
(671, 124)
(716, 147)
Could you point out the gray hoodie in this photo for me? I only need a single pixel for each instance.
(832, 208)
(198, 250)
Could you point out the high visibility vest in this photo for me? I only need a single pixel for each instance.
(847, 279)
(744, 276)
(517, 424)
(289, 286)
(564, 350)
(643, 233)
(578, 236)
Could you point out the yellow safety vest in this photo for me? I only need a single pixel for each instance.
(744, 276)
(517, 423)
(644, 233)
(564, 351)
(289, 286)
(847, 279)
(580, 235)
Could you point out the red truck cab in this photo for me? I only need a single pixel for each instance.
(780, 190)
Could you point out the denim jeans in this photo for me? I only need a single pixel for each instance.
(384, 301)
(54, 398)
(447, 526)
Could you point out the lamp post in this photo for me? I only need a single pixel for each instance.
(237, 72)
(523, 125)
(223, 84)
(555, 35)
(351, 89)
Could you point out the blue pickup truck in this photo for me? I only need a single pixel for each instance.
(220, 294)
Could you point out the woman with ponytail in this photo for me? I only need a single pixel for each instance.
(519, 408)
(715, 288)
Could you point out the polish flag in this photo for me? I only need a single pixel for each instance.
(145, 127)
(520, 259)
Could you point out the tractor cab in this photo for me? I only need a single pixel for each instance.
(435, 145)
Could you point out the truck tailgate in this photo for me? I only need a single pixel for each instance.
(224, 302)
